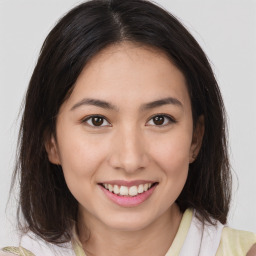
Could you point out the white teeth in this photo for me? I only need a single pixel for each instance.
(133, 191)
(141, 188)
(123, 191)
(110, 187)
(128, 191)
(116, 189)
(146, 187)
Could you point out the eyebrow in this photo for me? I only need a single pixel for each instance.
(144, 107)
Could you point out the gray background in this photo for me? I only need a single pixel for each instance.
(225, 29)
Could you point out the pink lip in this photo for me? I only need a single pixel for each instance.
(128, 201)
(127, 183)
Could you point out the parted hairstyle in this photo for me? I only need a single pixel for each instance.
(45, 203)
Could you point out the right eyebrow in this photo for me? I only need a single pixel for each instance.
(95, 102)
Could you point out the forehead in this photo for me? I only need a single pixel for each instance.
(128, 72)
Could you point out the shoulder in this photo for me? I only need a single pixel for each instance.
(235, 242)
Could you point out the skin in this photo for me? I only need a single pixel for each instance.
(252, 251)
(129, 145)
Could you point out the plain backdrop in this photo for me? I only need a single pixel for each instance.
(226, 30)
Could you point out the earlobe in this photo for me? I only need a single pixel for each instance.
(197, 139)
(52, 150)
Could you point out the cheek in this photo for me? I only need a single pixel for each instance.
(80, 157)
(172, 153)
(172, 156)
(173, 159)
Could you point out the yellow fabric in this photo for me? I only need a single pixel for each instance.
(235, 242)
(76, 244)
(17, 251)
(78, 249)
(181, 234)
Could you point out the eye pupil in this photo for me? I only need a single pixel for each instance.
(158, 120)
(97, 121)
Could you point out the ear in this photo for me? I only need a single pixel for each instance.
(52, 150)
(197, 139)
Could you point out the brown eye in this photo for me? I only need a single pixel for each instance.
(96, 121)
(158, 120)
(161, 120)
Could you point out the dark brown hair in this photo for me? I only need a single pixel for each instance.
(48, 207)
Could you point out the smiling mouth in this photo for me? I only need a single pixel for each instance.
(125, 191)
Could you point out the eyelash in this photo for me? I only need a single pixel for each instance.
(171, 120)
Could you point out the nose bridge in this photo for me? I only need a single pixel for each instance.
(129, 152)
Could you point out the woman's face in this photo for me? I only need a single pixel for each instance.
(127, 123)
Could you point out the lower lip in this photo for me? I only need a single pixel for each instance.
(128, 201)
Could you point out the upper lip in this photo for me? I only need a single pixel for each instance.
(127, 183)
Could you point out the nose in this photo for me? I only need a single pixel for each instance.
(129, 151)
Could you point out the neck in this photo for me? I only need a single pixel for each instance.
(155, 239)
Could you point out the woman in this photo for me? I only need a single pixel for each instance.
(123, 147)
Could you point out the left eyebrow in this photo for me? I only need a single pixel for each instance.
(106, 105)
(161, 102)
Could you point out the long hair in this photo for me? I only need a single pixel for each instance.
(48, 207)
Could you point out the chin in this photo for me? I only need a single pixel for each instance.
(129, 223)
